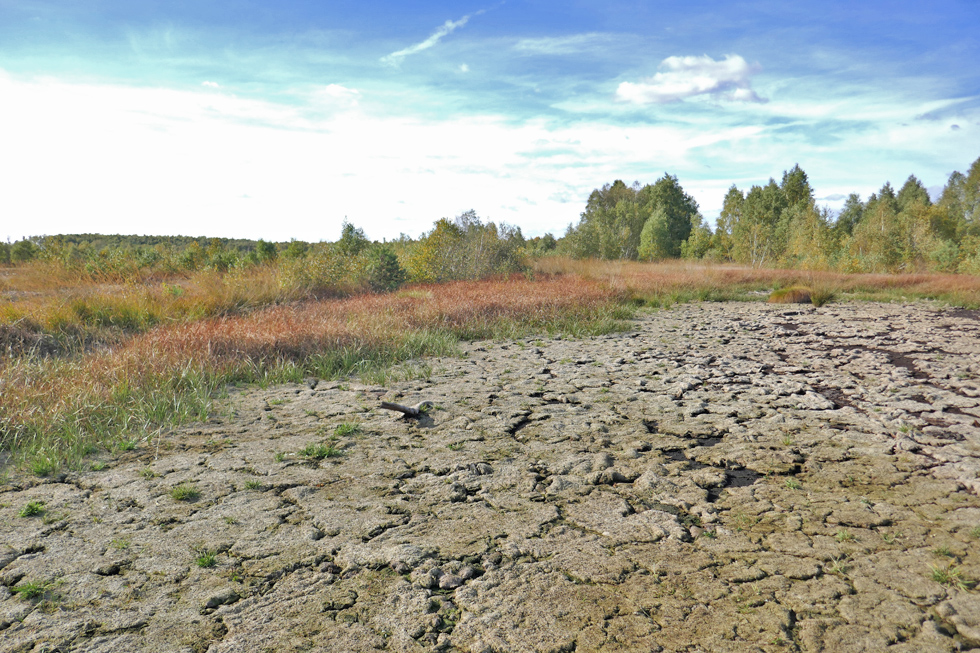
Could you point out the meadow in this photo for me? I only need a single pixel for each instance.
(91, 364)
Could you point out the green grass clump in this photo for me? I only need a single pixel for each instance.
(30, 589)
(184, 492)
(347, 429)
(319, 451)
(952, 576)
(253, 484)
(32, 509)
(206, 559)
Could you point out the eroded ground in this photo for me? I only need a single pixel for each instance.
(725, 477)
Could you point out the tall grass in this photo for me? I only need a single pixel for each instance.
(58, 409)
(663, 284)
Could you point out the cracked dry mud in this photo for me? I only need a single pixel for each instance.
(725, 477)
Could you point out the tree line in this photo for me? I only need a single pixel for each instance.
(780, 224)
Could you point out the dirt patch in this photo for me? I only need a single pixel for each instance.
(690, 486)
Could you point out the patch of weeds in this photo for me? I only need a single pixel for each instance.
(43, 466)
(865, 501)
(943, 552)
(310, 413)
(97, 466)
(126, 445)
(454, 446)
(787, 441)
(206, 559)
(742, 521)
(148, 473)
(793, 484)
(32, 509)
(839, 566)
(975, 532)
(279, 457)
(52, 517)
(952, 576)
(230, 520)
(347, 429)
(709, 534)
(253, 484)
(31, 589)
(184, 492)
(844, 535)
(276, 402)
(319, 451)
(120, 543)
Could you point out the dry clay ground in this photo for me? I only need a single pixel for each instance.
(725, 477)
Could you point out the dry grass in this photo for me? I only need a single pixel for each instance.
(89, 366)
(671, 282)
(791, 295)
(57, 410)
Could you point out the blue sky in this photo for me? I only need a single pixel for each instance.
(279, 120)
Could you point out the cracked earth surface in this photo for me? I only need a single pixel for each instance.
(724, 477)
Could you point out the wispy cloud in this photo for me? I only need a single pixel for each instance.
(685, 77)
(561, 45)
(447, 28)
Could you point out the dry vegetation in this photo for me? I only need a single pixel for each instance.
(92, 366)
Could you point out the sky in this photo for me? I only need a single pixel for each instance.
(281, 120)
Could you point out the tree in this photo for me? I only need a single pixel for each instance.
(23, 251)
(850, 215)
(655, 241)
(912, 193)
(796, 186)
(676, 213)
(731, 213)
(698, 243)
(352, 240)
(758, 238)
(384, 271)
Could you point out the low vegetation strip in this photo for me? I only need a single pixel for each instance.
(56, 410)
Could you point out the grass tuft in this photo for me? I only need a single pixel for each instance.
(32, 509)
(319, 451)
(184, 492)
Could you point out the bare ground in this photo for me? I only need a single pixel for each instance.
(725, 477)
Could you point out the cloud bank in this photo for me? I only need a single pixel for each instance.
(684, 77)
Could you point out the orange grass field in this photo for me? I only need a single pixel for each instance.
(90, 368)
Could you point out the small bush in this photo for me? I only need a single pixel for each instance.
(791, 295)
(206, 559)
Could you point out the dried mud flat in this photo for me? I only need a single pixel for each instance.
(725, 477)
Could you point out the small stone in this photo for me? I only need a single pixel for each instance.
(450, 582)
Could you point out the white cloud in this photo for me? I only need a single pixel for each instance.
(463, 68)
(561, 45)
(685, 77)
(116, 159)
(335, 96)
(210, 84)
(445, 29)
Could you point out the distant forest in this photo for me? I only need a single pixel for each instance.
(776, 225)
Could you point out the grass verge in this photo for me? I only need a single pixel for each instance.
(57, 410)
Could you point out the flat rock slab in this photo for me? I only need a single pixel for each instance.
(724, 477)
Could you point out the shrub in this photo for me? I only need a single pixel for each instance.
(791, 295)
